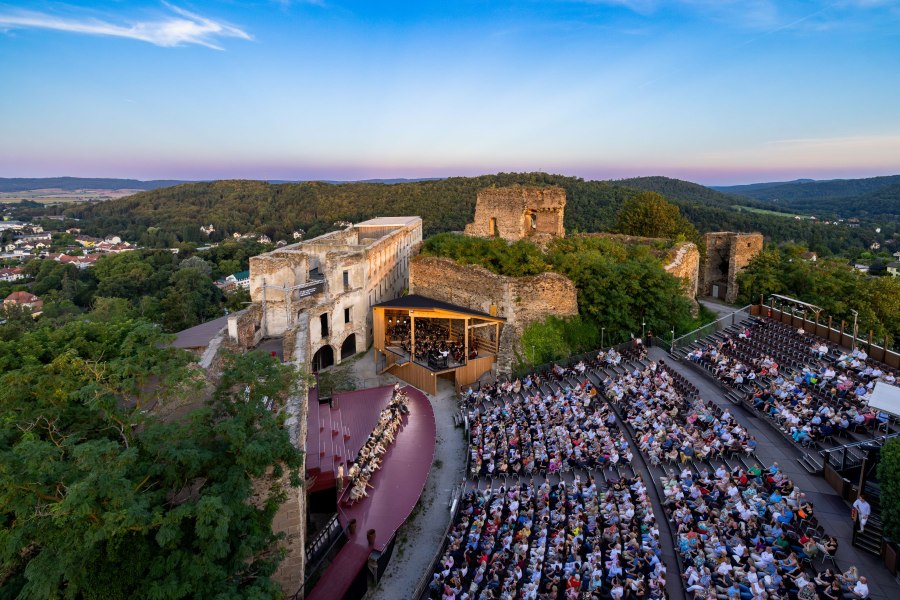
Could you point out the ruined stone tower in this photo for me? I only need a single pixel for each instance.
(727, 254)
(517, 212)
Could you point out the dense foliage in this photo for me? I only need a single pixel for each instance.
(830, 284)
(174, 290)
(889, 481)
(165, 217)
(100, 498)
(651, 215)
(518, 259)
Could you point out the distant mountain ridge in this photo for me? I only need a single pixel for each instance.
(71, 184)
(872, 197)
(806, 189)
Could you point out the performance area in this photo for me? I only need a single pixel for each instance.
(625, 473)
(370, 452)
(419, 340)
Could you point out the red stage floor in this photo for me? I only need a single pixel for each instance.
(336, 433)
(397, 488)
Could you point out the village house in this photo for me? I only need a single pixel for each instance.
(26, 300)
(11, 274)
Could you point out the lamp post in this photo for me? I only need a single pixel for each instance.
(672, 351)
(602, 329)
(855, 315)
(643, 330)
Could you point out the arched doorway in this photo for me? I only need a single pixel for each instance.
(323, 358)
(348, 348)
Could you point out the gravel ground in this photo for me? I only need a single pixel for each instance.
(420, 537)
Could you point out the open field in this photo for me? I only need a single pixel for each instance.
(763, 211)
(56, 195)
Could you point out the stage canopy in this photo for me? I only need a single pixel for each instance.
(416, 302)
(886, 397)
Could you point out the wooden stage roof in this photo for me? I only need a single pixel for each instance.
(417, 302)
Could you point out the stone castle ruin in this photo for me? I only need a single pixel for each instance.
(519, 212)
(727, 254)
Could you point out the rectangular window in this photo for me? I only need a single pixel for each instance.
(346, 280)
(323, 321)
(346, 315)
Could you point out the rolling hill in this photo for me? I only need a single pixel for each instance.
(166, 216)
(789, 192)
(874, 198)
(70, 184)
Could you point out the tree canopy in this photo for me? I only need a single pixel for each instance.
(100, 497)
(831, 284)
(650, 215)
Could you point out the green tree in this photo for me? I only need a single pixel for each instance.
(99, 499)
(190, 299)
(889, 479)
(650, 215)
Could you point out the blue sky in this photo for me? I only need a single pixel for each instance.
(715, 91)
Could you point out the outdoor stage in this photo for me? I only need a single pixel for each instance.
(431, 323)
(397, 486)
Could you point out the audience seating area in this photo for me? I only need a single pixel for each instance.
(809, 389)
(554, 509)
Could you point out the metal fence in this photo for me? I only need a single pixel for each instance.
(709, 329)
(567, 361)
(843, 457)
(455, 502)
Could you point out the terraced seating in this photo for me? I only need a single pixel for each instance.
(809, 389)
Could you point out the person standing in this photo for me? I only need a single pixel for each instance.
(863, 510)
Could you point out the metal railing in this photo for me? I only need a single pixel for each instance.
(454, 504)
(322, 547)
(710, 328)
(839, 459)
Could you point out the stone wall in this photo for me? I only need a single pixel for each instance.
(245, 327)
(291, 516)
(317, 295)
(727, 254)
(685, 263)
(519, 300)
(518, 212)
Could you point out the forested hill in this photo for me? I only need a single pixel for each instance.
(278, 210)
(685, 191)
(166, 216)
(807, 189)
(70, 184)
(872, 198)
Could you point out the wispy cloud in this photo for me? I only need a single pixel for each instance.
(177, 28)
